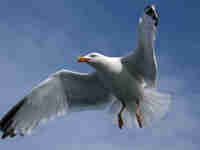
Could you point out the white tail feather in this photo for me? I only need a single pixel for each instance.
(153, 106)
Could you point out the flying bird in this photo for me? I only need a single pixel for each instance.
(127, 85)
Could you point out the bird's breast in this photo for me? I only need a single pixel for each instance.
(122, 84)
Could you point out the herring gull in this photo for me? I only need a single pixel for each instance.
(124, 84)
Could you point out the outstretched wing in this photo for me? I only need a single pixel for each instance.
(142, 62)
(61, 93)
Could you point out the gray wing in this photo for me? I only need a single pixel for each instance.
(142, 62)
(142, 67)
(61, 93)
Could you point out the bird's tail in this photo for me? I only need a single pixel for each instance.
(152, 107)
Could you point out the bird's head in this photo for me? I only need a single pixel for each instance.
(150, 15)
(93, 59)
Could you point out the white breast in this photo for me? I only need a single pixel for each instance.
(120, 81)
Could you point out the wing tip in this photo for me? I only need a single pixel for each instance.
(7, 120)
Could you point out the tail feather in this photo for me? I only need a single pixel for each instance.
(153, 106)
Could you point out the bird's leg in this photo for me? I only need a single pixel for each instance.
(138, 114)
(120, 121)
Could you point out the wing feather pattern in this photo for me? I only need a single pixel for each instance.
(61, 93)
(142, 62)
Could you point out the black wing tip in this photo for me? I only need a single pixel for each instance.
(7, 120)
(8, 134)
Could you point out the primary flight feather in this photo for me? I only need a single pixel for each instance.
(127, 83)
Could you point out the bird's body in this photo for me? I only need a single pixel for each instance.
(127, 83)
(120, 82)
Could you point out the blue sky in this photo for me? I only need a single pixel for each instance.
(39, 37)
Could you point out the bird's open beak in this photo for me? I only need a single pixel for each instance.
(83, 59)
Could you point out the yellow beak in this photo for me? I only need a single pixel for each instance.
(82, 59)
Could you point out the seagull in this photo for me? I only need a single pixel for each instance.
(127, 85)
